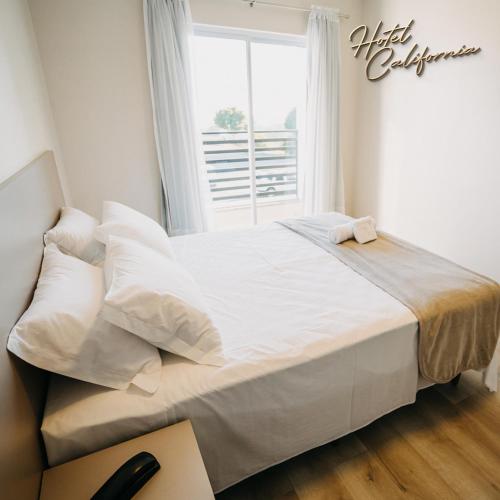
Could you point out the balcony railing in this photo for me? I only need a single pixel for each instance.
(227, 162)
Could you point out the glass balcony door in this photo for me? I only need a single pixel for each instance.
(251, 91)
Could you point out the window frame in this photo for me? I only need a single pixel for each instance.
(250, 36)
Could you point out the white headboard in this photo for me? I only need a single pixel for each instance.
(30, 201)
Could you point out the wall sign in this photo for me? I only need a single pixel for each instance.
(380, 55)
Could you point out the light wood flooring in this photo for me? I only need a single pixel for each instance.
(446, 445)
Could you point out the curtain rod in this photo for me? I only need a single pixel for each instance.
(251, 3)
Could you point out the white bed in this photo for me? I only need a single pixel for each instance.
(314, 351)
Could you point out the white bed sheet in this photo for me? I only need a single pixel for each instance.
(314, 351)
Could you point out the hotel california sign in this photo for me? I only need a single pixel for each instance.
(380, 55)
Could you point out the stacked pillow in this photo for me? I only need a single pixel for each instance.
(104, 326)
(120, 220)
(149, 293)
(62, 330)
(155, 298)
(74, 235)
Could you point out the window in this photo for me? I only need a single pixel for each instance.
(251, 96)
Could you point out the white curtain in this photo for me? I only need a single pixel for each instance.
(323, 180)
(168, 28)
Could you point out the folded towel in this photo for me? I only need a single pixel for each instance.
(364, 229)
(341, 233)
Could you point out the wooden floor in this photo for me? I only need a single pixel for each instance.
(446, 445)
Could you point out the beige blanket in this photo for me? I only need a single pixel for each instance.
(458, 311)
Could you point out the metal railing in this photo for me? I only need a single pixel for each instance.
(227, 163)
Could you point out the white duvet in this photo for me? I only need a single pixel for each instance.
(314, 351)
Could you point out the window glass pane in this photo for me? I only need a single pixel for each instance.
(278, 86)
(278, 91)
(222, 94)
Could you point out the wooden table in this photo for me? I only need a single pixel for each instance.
(182, 475)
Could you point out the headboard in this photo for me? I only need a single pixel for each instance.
(29, 205)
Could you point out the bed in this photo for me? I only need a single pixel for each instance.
(314, 351)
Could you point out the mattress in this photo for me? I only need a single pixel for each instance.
(314, 351)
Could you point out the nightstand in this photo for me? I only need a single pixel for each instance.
(182, 475)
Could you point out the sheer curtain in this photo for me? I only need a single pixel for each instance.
(168, 28)
(323, 180)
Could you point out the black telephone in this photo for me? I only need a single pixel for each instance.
(129, 478)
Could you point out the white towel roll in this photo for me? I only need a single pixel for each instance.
(364, 229)
(341, 233)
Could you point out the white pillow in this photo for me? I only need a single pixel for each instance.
(155, 298)
(120, 220)
(62, 330)
(74, 235)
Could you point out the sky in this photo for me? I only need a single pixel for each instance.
(278, 75)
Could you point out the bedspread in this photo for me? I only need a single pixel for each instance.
(458, 311)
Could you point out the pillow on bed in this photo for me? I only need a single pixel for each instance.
(120, 220)
(62, 330)
(74, 235)
(156, 298)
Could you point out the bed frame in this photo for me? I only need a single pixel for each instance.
(30, 201)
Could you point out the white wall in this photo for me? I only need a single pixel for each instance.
(93, 55)
(428, 164)
(94, 58)
(26, 127)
